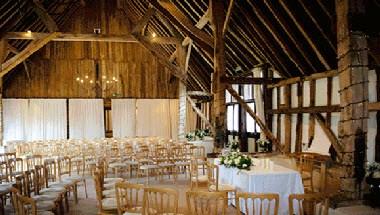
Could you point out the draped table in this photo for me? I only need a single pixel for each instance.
(258, 179)
(207, 143)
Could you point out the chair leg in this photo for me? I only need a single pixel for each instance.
(85, 187)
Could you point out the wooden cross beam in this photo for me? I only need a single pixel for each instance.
(263, 127)
(72, 37)
(171, 12)
(15, 51)
(44, 16)
(228, 16)
(329, 73)
(199, 112)
(24, 54)
(329, 133)
(144, 20)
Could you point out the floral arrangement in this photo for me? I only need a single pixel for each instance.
(233, 145)
(198, 134)
(374, 167)
(264, 144)
(236, 159)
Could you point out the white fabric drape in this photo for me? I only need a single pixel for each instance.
(259, 102)
(86, 118)
(14, 119)
(34, 119)
(46, 119)
(157, 117)
(124, 117)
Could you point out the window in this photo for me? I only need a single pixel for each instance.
(233, 117)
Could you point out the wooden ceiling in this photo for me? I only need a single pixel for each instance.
(296, 38)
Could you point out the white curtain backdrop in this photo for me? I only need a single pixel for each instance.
(86, 118)
(259, 102)
(34, 119)
(46, 119)
(124, 117)
(14, 119)
(157, 117)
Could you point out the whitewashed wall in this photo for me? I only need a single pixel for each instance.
(321, 143)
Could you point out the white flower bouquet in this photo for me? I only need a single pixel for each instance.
(373, 169)
(263, 144)
(236, 159)
(233, 145)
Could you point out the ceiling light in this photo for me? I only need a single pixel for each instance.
(154, 34)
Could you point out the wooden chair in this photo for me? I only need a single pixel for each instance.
(4, 172)
(213, 180)
(160, 201)
(306, 168)
(16, 167)
(248, 203)
(206, 203)
(105, 205)
(24, 205)
(309, 204)
(195, 178)
(129, 198)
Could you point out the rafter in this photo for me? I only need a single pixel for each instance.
(171, 12)
(71, 37)
(26, 67)
(144, 20)
(49, 22)
(308, 39)
(24, 54)
(228, 16)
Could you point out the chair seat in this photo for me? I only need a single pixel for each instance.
(182, 163)
(222, 187)
(53, 190)
(149, 166)
(45, 213)
(118, 165)
(109, 193)
(109, 203)
(73, 179)
(112, 180)
(76, 159)
(201, 178)
(45, 205)
(17, 173)
(61, 184)
(50, 197)
(5, 187)
(166, 164)
(131, 162)
(90, 162)
(110, 186)
(133, 211)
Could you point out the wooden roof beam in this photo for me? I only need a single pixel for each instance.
(329, 133)
(49, 22)
(144, 20)
(308, 39)
(171, 12)
(330, 73)
(24, 54)
(71, 37)
(249, 80)
(228, 16)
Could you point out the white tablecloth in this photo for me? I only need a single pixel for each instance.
(208, 144)
(279, 180)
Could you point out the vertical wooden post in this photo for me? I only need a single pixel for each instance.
(278, 132)
(298, 147)
(329, 98)
(353, 83)
(3, 55)
(267, 96)
(218, 87)
(377, 146)
(288, 120)
(311, 116)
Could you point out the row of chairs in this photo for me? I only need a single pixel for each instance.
(46, 186)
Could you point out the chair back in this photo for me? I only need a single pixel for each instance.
(206, 203)
(30, 182)
(261, 204)
(129, 197)
(21, 203)
(50, 167)
(213, 175)
(309, 204)
(160, 201)
(4, 172)
(64, 166)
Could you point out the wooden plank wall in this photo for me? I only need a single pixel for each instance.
(54, 68)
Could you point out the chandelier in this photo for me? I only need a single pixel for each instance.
(106, 84)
